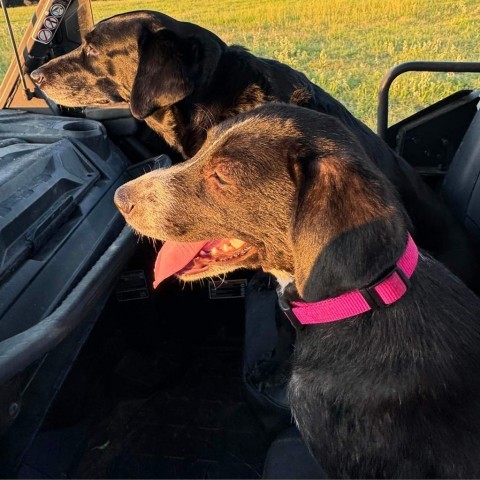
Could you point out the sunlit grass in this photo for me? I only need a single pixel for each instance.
(345, 46)
(20, 18)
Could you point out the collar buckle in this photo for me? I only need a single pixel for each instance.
(286, 309)
(370, 293)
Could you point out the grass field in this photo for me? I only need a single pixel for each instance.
(345, 46)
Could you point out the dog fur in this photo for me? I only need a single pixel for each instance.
(389, 393)
(182, 80)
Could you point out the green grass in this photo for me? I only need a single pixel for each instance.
(20, 18)
(345, 46)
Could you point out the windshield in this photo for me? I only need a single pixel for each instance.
(344, 46)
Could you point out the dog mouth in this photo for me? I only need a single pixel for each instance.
(77, 99)
(198, 258)
(73, 101)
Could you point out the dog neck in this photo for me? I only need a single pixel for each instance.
(385, 291)
(284, 280)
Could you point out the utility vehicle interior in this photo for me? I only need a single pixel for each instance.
(101, 376)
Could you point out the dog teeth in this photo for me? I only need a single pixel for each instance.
(214, 251)
(226, 248)
(235, 243)
(235, 255)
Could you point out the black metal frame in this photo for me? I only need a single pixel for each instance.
(392, 74)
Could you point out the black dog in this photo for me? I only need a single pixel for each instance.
(385, 391)
(182, 80)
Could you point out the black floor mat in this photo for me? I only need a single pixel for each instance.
(156, 393)
(198, 427)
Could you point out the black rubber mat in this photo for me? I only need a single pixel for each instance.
(156, 393)
(198, 427)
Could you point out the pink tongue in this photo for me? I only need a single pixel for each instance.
(174, 256)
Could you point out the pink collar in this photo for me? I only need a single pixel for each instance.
(386, 291)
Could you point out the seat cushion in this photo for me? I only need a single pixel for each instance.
(267, 354)
(461, 186)
(289, 457)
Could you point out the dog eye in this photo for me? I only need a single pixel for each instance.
(221, 181)
(91, 51)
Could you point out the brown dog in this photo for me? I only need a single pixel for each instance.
(392, 392)
(182, 80)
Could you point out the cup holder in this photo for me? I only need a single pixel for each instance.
(80, 126)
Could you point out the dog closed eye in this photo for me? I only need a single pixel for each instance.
(219, 179)
(91, 51)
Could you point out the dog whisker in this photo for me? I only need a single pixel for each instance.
(222, 277)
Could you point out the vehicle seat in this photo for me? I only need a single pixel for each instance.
(461, 185)
(267, 352)
(289, 457)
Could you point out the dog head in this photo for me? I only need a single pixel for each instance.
(273, 188)
(145, 58)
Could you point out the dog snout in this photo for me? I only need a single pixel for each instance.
(123, 200)
(38, 76)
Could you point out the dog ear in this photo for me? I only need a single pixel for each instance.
(172, 65)
(164, 71)
(306, 241)
(349, 206)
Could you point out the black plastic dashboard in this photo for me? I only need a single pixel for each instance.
(62, 240)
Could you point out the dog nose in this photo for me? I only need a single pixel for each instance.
(122, 200)
(38, 76)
